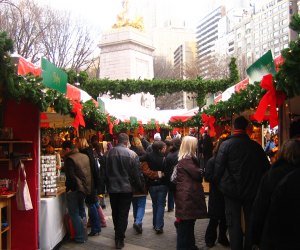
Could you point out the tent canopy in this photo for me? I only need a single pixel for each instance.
(185, 116)
(123, 110)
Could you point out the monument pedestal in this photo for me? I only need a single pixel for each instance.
(127, 53)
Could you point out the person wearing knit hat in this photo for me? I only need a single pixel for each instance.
(156, 137)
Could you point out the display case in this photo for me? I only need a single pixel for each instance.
(48, 175)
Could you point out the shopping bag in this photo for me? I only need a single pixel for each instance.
(69, 226)
(23, 198)
(102, 217)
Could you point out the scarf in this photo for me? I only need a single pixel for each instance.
(239, 132)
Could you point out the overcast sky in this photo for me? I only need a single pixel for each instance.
(103, 13)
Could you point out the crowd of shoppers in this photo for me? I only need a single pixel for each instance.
(251, 205)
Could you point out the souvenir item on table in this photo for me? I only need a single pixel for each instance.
(23, 198)
(48, 172)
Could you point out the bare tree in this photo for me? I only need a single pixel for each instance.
(43, 31)
(94, 69)
(162, 68)
(67, 44)
(22, 24)
(216, 67)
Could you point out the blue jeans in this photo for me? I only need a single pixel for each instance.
(158, 195)
(170, 200)
(138, 204)
(75, 204)
(94, 217)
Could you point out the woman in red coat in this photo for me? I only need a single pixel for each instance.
(189, 194)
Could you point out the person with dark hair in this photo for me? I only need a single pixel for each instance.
(91, 199)
(139, 198)
(98, 152)
(158, 186)
(171, 161)
(78, 185)
(216, 205)
(239, 166)
(123, 178)
(207, 148)
(275, 219)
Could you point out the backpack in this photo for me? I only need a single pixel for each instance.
(99, 175)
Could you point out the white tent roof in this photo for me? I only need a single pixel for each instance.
(123, 110)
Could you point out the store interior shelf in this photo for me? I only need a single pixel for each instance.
(9, 152)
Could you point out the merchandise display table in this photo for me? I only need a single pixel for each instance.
(52, 228)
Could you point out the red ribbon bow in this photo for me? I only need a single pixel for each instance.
(273, 98)
(110, 125)
(77, 109)
(208, 122)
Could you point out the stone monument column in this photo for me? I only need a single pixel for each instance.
(127, 53)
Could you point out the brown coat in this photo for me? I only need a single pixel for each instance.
(78, 172)
(189, 196)
(148, 173)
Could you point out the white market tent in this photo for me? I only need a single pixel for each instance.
(123, 110)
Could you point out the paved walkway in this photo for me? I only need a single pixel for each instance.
(148, 240)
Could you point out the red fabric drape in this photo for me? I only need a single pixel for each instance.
(25, 67)
(272, 98)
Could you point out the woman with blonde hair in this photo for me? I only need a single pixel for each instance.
(189, 194)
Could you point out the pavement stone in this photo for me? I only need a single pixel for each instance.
(148, 240)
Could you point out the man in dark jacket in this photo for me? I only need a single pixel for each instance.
(239, 167)
(78, 186)
(123, 177)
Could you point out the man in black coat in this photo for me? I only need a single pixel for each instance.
(239, 167)
(122, 179)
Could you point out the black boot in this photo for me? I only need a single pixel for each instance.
(119, 244)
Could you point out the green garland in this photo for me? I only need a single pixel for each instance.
(93, 118)
(124, 126)
(31, 88)
(157, 87)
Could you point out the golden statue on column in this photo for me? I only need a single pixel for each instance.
(124, 21)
